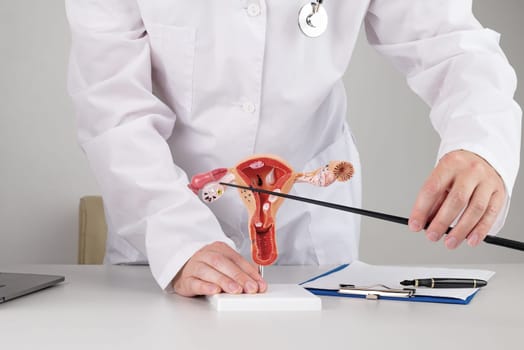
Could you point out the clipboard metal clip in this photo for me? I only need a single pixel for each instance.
(376, 291)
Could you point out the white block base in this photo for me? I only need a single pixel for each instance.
(278, 297)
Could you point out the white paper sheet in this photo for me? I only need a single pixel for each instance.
(365, 275)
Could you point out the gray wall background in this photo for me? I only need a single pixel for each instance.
(44, 172)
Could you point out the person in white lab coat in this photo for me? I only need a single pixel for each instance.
(165, 89)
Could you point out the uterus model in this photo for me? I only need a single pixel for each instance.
(268, 172)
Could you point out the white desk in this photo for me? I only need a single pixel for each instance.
(121, 307)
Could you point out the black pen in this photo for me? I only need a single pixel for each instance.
(445, 283)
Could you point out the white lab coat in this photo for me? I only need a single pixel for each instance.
(164, 89)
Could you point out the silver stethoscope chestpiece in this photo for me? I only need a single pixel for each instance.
(313, 19)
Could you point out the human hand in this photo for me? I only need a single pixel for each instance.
(216, 268)
(461, 181)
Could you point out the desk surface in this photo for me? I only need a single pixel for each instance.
(113, 307)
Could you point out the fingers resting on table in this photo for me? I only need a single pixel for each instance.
(218, 268)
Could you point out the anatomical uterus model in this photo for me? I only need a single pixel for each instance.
(270, 173)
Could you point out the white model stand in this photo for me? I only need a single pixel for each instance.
(278, 297)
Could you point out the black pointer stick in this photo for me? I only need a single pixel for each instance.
(495, 240)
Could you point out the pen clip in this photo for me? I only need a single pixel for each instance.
(374, 292)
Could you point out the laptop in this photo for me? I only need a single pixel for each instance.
(14, 285)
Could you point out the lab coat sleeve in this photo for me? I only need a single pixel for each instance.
(123, 129)
(458, 68)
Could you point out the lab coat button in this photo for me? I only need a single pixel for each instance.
(253, 10)
(249, 107)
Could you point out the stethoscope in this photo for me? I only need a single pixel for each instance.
(313, 19)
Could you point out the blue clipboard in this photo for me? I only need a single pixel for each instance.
(413, 298)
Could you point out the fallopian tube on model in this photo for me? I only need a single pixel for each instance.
(270, 173)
